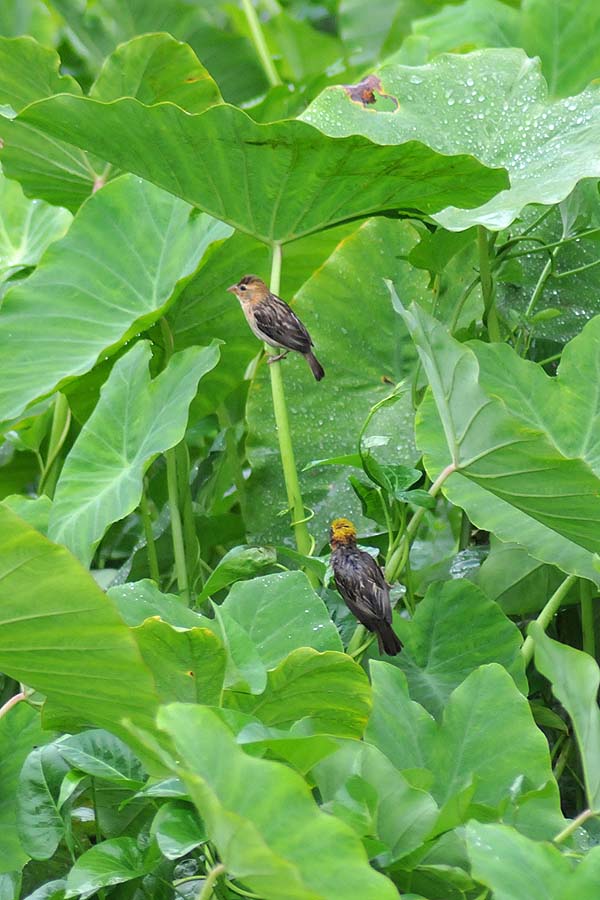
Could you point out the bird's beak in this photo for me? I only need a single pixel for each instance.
(232, 289)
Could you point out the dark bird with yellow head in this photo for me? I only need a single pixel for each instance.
(362, 584)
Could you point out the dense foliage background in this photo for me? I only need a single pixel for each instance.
(189, 710)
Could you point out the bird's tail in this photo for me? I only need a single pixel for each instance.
(315, 366)
(388, 640)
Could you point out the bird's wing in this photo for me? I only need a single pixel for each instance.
(364, 588)
(376, 588)
(280, 324)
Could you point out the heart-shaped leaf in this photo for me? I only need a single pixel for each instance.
(313, 181)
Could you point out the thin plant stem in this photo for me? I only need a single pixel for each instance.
(553, 245)
(549, 359)
(487, 284)
(149, 534)
(547, 614)
(586, 597)
(260, 44)
(207, 888)
(186, 505)
(288, 462)
(176, 527)
(465, 532)
(357, 640)
(541, 283)
(577, 270)
(561, 762)
(397, 561)
(576, 823)
(461, 302)
(61, 421)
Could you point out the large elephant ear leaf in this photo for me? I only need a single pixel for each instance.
(227, 164)
(492, 104)
(513, 447)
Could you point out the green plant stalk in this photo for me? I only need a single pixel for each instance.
(286, 449)
(541, 283)
(547, 614)
(487, 285)
(586, 597)
(61, 421)
(190, 537)
(357, 640)
(149, 534)
(260, 44)
(207, 888)
(176, 527)
(397, 561)
(573, 825)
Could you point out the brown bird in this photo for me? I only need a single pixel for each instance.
(362, 584)
(273, 321)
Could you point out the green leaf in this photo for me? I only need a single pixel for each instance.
(469, 26)
(87, 297)
(567, 300)
(40, 825)
(100, 754)
(110, 862)
(516, 581)
(62, 636)
(281, 613)
(52, 890)
(135, 419)
(403, 816)
(230, 58)
(516, 868)
(500, 423)
(325, 419)
(371, 501)
(455, 629)
(238, 564)
(449, 104)
(187, 665)
(290, 161)
(575, 679)
(177, 829)
(399, 726)
(247, 805)
(155, 68)
(20, 732)
(302, 751)
(329, 689)
(29, 72)
(464, 753)
(34, 511)
(141, 600)
(27, 228)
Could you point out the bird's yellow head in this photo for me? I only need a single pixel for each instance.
(342, 531)
(250, 287)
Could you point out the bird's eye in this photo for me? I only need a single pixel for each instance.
(242, 287)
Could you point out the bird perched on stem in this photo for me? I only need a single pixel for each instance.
(273, 321)
(362, 584)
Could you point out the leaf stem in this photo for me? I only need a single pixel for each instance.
(260, 44)
(487, 285)
(461, 302)
(573, 826)
(149, 534)
(176, 527)
(547, 614)
(586, 597)
(398, 559)
(61, 421)
(541, 283)
(207, 888)
(286, 449)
